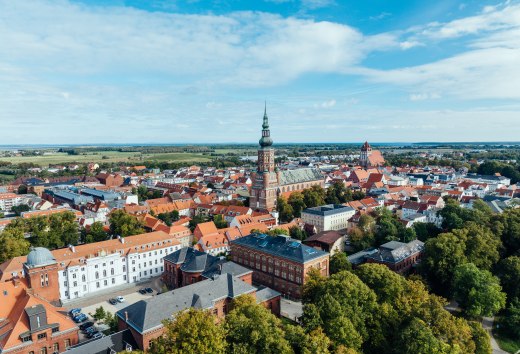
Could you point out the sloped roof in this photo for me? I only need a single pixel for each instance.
(280, 246)
(300, 175)
(149, 313)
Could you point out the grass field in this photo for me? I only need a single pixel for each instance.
(105, 156)
(505, 343)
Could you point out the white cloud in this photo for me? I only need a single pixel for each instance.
(409, 44)
(328, 104)
(316, 4)
(423, 96)
(381, 16)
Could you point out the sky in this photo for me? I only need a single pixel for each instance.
(199, 71)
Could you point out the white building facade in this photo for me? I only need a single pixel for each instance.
(328, 217)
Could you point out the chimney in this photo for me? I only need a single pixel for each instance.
(72, 248)
(16, 281)
(126, 316)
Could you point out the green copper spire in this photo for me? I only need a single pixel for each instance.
(266, 140)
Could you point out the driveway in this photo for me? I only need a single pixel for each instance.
(487, 324)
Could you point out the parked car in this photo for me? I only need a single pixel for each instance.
(92, 334)
(89, 329)
(81, 317)
(149, 290)
(98, 335)
(120, 299)
(74, 312)
(142, 291)
(113, 301)
(86, 325)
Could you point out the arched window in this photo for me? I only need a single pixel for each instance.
(104, 273)
(97, 275)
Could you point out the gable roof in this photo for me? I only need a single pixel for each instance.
(148, 314)
(300, 175)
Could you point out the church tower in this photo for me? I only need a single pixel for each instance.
(265, 180)
(366, 151)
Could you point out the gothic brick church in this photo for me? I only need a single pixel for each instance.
(269, 181)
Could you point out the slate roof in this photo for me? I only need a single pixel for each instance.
(264, 294)
(394, 251)
(299, 175)
(119, 342)
(194, 261)
(330, 209)
(149, 313)
(280, 246)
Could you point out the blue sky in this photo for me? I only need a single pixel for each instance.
(168, 71)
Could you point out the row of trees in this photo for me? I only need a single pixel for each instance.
(476, 261)
(372, 310)
(315, 196)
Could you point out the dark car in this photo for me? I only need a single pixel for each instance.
(74, 312)
(81, 317)
(142, 291)
(112, 301)
(86, 325)
(92, 334)
(148, 290)
(89, 329)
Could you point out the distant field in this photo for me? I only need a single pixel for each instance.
(105, 156)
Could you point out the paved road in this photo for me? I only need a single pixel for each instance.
(487, 324)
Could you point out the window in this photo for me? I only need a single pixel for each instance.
(74, 276)
(113, 280)
(104, 273)
(75, 284)
(112, 271)
(66, 293)
(56, 348)
(55, 329)
(26, 339)
(106, 282)
(64, 273)
(67, 343)
(42, 336)
(65, 283)
(96, 266)
(111, 262)
(124, 277)
(83, 278)
(43, 350)
(97, 275)
(97, 285)
(124, 268)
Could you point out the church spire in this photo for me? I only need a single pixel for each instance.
(266, 140)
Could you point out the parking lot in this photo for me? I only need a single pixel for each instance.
(130, 293)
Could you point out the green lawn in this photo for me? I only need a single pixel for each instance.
(57, 158)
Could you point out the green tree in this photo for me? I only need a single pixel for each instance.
(360, 240)
(284, 209)
(296, 201)
(314, 196)
(425, 230)
(482, 247)
(510, 322)
(123, 224)
(13, 244)
(192, 331)
(96, 233)
(481, 338)
(339, 262)
(99, 314)
(251, 328)
(478, 292)
(297, 233)
(19, 209)
(418, 338)
(342, 332)
(219, 221)
(508, 270)
(198, 219)
(441, 256)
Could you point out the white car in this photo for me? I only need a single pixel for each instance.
(120, 299)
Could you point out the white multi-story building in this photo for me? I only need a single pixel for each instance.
(86, 269)
(9, 200)
(328, 217)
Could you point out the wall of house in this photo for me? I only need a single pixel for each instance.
(58, 341)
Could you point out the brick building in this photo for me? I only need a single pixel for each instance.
(280, 262)
(31, 325)
(144, 318)
(398, 256)
(188, 266)
(110, 180)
